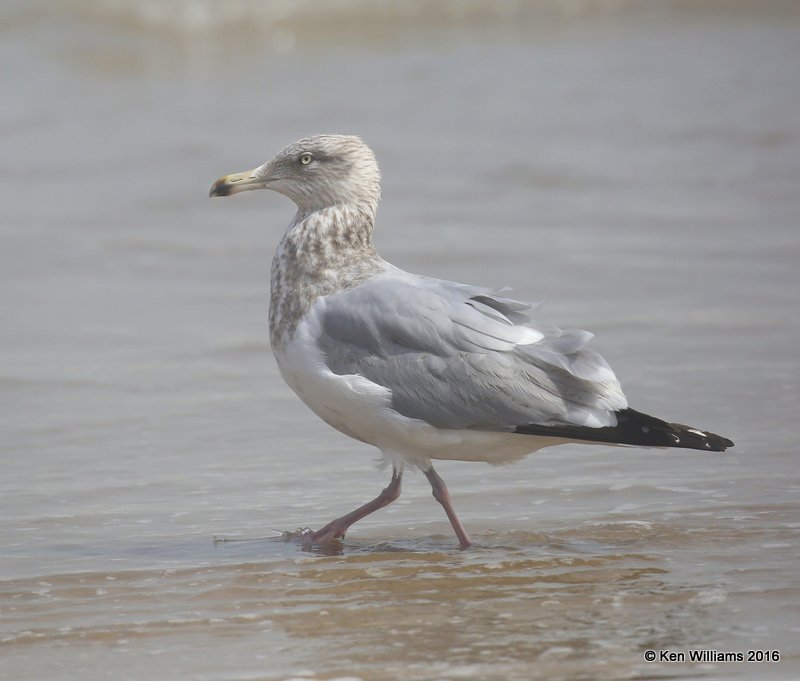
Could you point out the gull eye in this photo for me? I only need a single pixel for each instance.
(305, 158)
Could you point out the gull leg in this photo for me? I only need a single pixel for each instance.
(441, 495)
(336, 528)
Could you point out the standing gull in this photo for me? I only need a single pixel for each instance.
(421, 368)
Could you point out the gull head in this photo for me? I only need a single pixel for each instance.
(315, 172)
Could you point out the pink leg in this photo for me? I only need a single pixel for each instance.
(336, 528)
(441, 495)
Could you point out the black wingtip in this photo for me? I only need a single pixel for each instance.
(635, 428)
(700, 439)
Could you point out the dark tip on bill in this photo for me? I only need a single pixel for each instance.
(220, 188)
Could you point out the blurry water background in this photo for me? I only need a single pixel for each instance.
(636, 165)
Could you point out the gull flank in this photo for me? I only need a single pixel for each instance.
(422, 368)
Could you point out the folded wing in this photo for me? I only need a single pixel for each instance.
(459, 356)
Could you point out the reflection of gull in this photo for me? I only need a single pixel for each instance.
(421, 368)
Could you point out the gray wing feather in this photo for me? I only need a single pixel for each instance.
(459, 356)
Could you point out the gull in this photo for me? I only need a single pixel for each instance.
(423, 369)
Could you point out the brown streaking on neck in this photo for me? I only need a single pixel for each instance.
(322, 252)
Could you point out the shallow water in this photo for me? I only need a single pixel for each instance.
(634, 166)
